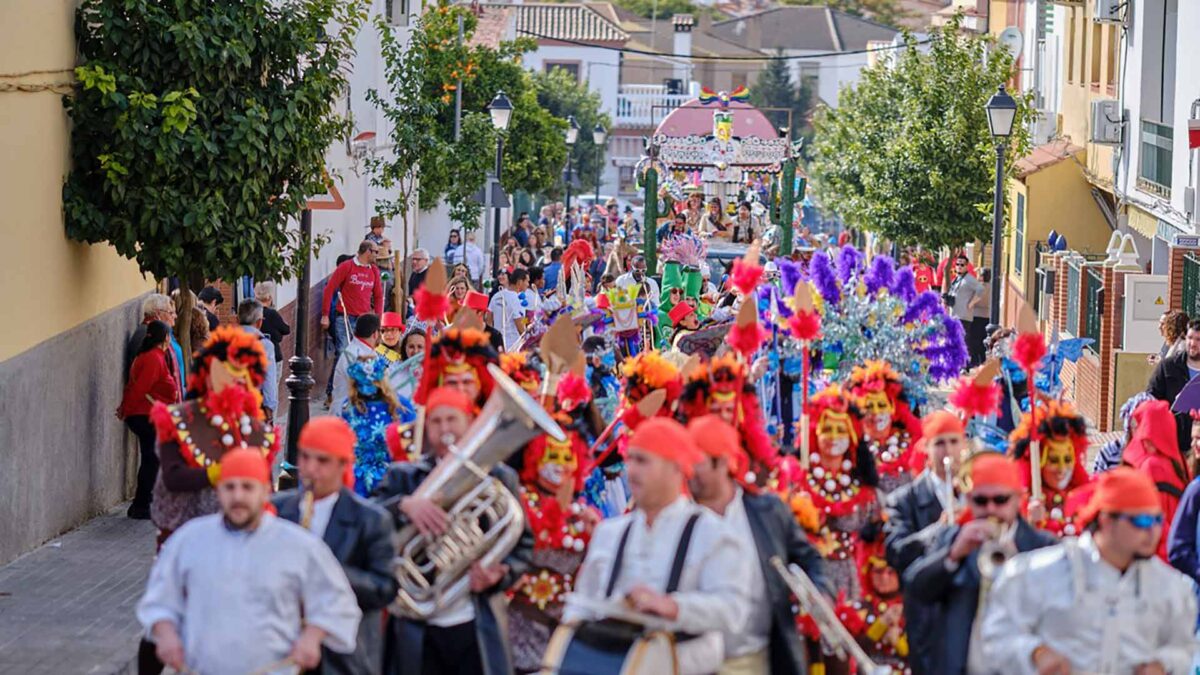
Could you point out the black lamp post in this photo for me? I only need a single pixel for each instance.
(1001, 112)
(599, 135)
(300, 380)
(572, 136)
(501, 110)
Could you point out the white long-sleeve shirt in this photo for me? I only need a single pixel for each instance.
(236, 597)
(713, 589)
(1107, 623)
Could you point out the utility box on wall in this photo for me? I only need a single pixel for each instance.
(1146, 298)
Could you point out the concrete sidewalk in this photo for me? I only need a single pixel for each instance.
(68, 607)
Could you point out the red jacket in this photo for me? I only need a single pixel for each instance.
(361, 287)
(1162, 462)
(149, 378)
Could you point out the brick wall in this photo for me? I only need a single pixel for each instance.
(1175, 275)
(1087, 387)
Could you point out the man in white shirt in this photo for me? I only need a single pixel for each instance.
(506, 311)
(357, 532)
(769, 642)
(670, 558)
(244, 591)
(637, 275)
(1103, 603)
(361, 348)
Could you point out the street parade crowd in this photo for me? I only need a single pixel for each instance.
(628, 463)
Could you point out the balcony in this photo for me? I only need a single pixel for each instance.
(643, 106)
(1154, 174)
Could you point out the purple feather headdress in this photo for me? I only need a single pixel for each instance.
(904, 284)
(849, 263)
(924, 306)
(880, 274)
(821, 272)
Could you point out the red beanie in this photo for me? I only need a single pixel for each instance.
(450, 398)
(668, 439)
(941, 422)
(245, 463)
(332, 436)
(993, 468)
(1122, 490)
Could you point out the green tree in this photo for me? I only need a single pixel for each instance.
(661, 8)
(561, 94)
(889, 12)
(426, 165)
(907, 153)
(199, 127)
(776, 95)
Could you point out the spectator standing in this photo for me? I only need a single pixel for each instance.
(964, 294)
(273, 324)
(531, 297)
(506, 311)
(521, 230)
(1153, 449)
(150, 380)
(250, 318)
(1175, 371)
(453, 253)
(420, 266)
(413, 343)
(745, 225)
(361, 348)
(199, 328)
(158, 307)
(210, 299)
(551, 271)
(383, 259)
(1172, 325)
(360, 286)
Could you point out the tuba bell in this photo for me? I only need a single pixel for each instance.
(486, 520)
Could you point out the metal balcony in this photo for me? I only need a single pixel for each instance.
(643, 106)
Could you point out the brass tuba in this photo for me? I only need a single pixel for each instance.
(432, 572)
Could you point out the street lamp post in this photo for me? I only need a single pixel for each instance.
(599, 135)
(572, 136)
(1001, 112)
(500, 110)
(300, 382)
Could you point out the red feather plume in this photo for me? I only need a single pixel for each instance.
(572, 392)
(1028, 351)
(430, 306)
(745, 276)
(976, 400)
(746, 339)
(805, 325)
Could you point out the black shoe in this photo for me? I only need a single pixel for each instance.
(136, 512)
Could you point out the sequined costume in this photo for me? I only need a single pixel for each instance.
(371, 408)
(890, 429)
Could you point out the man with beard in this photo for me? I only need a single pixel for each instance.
(637, 275)
(768, 643)
(463, 638)
(948, 575)
(1101, 603)
(243, 590)
(357, 532)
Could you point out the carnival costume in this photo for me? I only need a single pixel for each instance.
(195, 434)
(878, 620)
(723, 387)
(369, 412)
(1063, 443)
(890, 428)
(561, 521)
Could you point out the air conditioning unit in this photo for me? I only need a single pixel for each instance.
(1107, 11)
(1107, 121)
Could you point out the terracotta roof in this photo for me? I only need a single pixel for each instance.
(1046, 155)
(565, 22)
(806, 28)
(493, 27)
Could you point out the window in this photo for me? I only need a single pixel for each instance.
(1019, 243)
(571, 67)
(626, 179)
(1154, 174)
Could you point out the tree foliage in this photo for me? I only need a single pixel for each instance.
(419, 104)
(199, 127)
(890, 12)
(662, 8)
(560, 93)
(908, 153)
(776, 94)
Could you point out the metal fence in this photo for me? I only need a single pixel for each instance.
(1074, 269)
(1191, 285)
(1094, 309)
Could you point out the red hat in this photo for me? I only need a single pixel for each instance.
(391, 320)
(941, 422)
(668, 439)
(602, 301)
(476, 300)
(245, 463)
(679, 312)
(993, 468)
(714, 436)
(449, 398)
(329, 435)
(1121, 490)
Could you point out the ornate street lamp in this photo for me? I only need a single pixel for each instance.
(500, 110)
(1001, 112)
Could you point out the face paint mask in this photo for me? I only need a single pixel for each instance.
(551, 473)
(839, 447)
(883, 422)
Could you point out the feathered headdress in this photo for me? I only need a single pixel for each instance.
(517, 366)
(879, 376)
(241, 350)
(685, 249)
(719, 380)
(647, 371)
(1055, 419)
(833, 401)
(457, 349)
(579, 252)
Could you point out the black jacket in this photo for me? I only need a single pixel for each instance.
(776, 533)
(275, 328)
(955, 595)
(1168, 379)
(912, 510)
(360, 536)
(406, 637)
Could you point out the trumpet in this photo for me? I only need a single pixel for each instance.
(832, 630)
(996, 551)
(307, 508)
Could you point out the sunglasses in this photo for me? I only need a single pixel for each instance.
(983, 500)
(1142, 521)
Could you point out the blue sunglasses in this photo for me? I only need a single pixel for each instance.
(1142, 521)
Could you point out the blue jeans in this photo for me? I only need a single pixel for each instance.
(337, 333)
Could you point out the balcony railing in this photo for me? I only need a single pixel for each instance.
(1154, 175)
(645, 105)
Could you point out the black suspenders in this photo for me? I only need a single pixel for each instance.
(681, 550)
